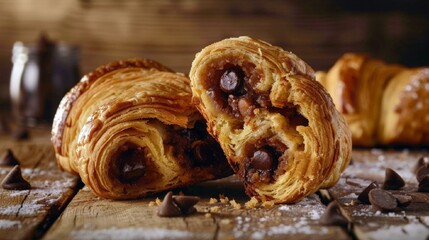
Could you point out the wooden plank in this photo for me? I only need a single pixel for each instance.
(368, 223)
(89, 217)
(27, 214)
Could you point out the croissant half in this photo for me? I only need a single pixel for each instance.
(129, 129)
(276, 124)
(382, 103)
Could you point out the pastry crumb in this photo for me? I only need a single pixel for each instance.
(151, 203)
(268, 204)
(213, 200)
(208, 215)
(158, 201)
(252, 203)
(235, 204)
(223, 199)
(214, 209)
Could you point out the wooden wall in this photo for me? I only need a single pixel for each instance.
(172, 31)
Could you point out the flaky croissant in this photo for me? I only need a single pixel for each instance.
(382, 103)
(276, 124)
(129, 129)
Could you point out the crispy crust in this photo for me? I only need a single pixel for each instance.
(316, 152)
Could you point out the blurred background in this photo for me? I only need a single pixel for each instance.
(95, 32)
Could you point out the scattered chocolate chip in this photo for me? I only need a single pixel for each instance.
(186, 203)
(392, 180)
(403, 200)
(420, 163)
(422, 172)
(245, 107)
(333, 216)
(8, 159)
(363, 196)
(21, 134)
(231, 80)
(15, 181)
(262, 160)
(383, 200)
(424, 184)
(168, 208)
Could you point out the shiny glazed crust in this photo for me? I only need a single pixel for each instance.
(133, 107)
(382, 103)
(313, 150)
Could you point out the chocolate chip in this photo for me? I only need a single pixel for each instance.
(262, 160)
(245, 107)
(403, 200)
(168, 208)
(382, 200)
(8, 159)
(392, 180)
(424, 184)
(186, 203)
(231, 80)
(363, 196)
(132, 171)
(333, 216)
(422, 161)
(15, 181)
(422, 172)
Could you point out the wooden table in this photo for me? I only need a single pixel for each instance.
(60, 207)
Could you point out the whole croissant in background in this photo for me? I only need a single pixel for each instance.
(276, 124)
(129, 129)
(382, 103)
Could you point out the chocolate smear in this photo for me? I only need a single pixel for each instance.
(168, 208)
(8, 159)
(382, 200)
(392, 180)
(363, 196)
(333, 216)
(15, 181)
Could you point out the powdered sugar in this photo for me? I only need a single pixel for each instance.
(8, 224)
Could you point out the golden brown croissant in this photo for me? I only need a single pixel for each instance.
(276, 124)
(382, 103)
(129, 129)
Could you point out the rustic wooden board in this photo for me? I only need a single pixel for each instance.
(27, 214)
(89, 217)
(368, 223)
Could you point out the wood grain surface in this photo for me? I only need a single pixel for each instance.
(88, 217)
(26, 214)
(369, 223)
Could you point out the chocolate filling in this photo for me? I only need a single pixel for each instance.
(194, 147)
(131, 163)
(266, 160)
(232, 88)
(231, 83)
